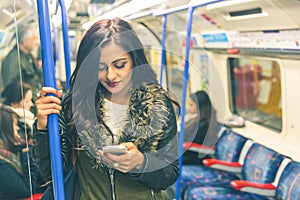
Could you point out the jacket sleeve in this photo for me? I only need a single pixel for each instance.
(14, 185)
(163, 163)
(41, 150)
(10, 67)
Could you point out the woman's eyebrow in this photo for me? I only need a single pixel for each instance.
(120, 59)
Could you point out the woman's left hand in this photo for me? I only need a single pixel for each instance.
(132, 159)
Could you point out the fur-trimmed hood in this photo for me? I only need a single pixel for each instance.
(148, 113)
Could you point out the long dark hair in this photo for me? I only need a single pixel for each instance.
(205, 109)
(15, 92)
(80, 101)
(7, 136)
(203, 128)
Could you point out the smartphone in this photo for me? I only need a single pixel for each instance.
(115, 149)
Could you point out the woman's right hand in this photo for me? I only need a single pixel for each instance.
(46, 105)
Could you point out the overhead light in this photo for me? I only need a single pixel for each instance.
(103, 1)
(227, 3)
(140, 15)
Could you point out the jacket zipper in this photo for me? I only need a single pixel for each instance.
(112, 182)
(152, 194)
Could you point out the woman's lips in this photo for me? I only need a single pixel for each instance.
(112, 84)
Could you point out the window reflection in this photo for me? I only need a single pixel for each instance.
(256, 91)
(21, 78)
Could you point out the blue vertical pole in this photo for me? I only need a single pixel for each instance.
(65, 31)
(49, 81)
(183, 100)
(163, 47)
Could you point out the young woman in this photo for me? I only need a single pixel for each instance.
(114, 99)
(19, 96)
(200, 125)
(16, 182)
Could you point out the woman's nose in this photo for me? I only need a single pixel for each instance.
(110, 73)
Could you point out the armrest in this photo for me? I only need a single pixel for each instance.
(199, 148)
(37, 196)
(235, 167)
(266, 189)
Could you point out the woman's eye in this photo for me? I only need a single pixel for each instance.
(102, 67)
(119, 65)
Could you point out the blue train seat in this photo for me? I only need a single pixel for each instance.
(289, 182)
(227, 150)
(260, 166)
(285, 186)
(202, 149)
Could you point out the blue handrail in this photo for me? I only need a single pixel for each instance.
(169, 11)
(49, 81)
(184, 89)
(192, 6)
(65, 31)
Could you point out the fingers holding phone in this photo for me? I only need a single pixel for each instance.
(123, 157)
(111, 153)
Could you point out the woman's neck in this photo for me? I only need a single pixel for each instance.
(121, 101)
(121, 97)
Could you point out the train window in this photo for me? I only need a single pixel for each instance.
(256, 91)
(175, 51)
(21, 78)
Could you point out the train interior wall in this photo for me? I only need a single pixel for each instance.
(286, 141)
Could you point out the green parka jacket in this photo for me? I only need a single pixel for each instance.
(31, 74)
(151, 127)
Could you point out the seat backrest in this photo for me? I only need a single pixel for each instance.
(289, 182)
(261, 164)
(220, 128)
(229, 146)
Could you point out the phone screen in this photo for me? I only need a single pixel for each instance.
(115, 149)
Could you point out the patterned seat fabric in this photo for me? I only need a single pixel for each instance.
(228, 148)
(289, 182)
(200, 175)
(217, 193)
(260, 166)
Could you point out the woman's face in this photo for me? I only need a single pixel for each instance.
(26, 103)
(16, 129)
(192, 107)
(27, 100)
(115, 70)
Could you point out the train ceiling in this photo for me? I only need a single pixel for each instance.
(241, 15)
(11, 11)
